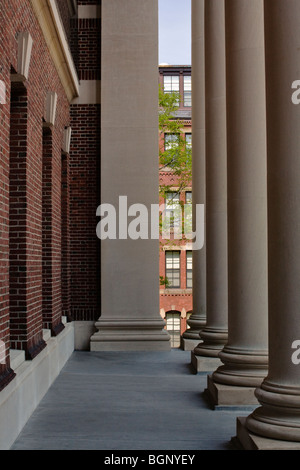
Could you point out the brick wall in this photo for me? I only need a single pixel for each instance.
(89, 38)
(5, 372)
(65, 14)
(51, 235)
(84, 200)
(21, 178)
(85, 178)
(65, 237)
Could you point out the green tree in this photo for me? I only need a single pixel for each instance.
(175, 155)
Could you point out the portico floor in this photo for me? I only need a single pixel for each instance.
(128, 401)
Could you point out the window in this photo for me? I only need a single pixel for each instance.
(171, 83)
(173, 268)
(173, 213)
(187, 91)
(171, 141)
(189, 269)
(173, 328)
(188, 141)
(188, 197)
(188, 213)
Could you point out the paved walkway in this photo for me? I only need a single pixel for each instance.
(128, 401)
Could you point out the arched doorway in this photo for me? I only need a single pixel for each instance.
(173, 320)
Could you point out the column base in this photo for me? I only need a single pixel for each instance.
(221, 395)
(204, 364)
(191, 337)
(32, 352)
(130, 335)
(57, 329)
(6, 377)
(249, 441)
(188, 344)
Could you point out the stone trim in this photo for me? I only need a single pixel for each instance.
(50, 22)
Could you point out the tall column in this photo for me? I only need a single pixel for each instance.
(214, 335)
(279, 394)
(130, 318)
(190, 339)
(245, 356)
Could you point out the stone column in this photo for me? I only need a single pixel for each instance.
(245, 356)
(279, 394)
(130, 318)
(214, 335)
(190, 339)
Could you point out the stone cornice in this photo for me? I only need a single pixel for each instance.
(50, 22)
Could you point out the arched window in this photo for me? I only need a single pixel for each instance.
(173, 320)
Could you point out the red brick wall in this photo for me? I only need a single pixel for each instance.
(180, 300)
(85, 178)
(64, 11)
(26, 178)
(65, 238)
(89, 58)
(51, 233)
(5, 373)
(84, 200)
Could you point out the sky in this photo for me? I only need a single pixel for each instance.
(175, 32)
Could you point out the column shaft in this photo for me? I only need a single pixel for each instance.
(214, 335)
(279, 394)
(198, 319)
(130, 318)
(245, 354)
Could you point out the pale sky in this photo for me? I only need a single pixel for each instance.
(175, 32)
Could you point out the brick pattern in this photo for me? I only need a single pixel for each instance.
(24, 233)
(89, 58)
(49, 251)
(84, 200)
(179, 300)
(64, 11)
(85, 179)
(23, 256)
(6, 374)
(51, 232)
(65, 237)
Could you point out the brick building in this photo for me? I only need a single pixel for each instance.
(176, 300)
(49, 173)
(60, 155)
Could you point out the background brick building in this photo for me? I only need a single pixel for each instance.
(176, 300)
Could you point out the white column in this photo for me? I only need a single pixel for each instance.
(214, 335)
(197, 321)
(245, 356)
(130, 318)
(279, 394)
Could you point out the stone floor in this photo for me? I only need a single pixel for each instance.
(129, 401)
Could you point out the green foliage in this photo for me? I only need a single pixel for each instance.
(176, 157)
(164, 281)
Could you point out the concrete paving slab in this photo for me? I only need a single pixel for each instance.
(128, 401)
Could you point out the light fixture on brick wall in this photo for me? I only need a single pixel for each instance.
(51, 104)
(67, 140)
(25, 43)
(2, 92)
